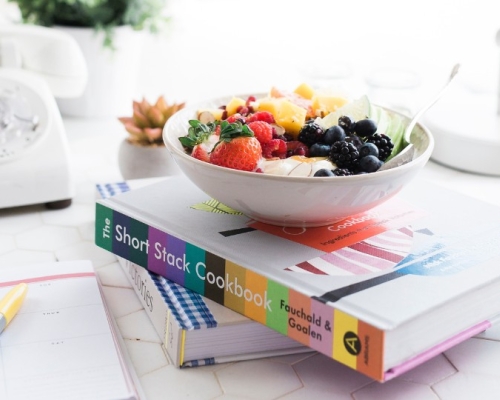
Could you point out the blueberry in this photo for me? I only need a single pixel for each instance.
(324, 172)
(368, 149)
(369, 163)
(334, 134)
(319, 150)
(365, 127)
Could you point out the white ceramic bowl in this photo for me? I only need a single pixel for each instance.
(286, 200)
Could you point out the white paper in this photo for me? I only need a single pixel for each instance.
(60, 345)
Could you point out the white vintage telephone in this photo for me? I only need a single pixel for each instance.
(36, 64)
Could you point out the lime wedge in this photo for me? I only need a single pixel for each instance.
(357, 109)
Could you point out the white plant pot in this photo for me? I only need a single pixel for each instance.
(139, 162)
(112, 73)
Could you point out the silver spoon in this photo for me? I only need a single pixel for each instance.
(406, 155)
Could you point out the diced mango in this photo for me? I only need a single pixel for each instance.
(269, 105)
(323, 105)
(234, 104)
(291, 117)
(304, 90)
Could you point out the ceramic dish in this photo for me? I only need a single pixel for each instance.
(286, 200)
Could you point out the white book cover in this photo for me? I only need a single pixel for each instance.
(375, 291)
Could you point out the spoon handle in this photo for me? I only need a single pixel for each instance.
(406, 155)
(417, 116)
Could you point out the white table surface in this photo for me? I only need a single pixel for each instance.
(33, 234)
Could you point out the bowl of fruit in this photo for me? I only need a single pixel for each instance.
(303, 158)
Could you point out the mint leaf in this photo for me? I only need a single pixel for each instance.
(197, 133)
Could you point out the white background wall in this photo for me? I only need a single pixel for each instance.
(216, 47)
(221, 47)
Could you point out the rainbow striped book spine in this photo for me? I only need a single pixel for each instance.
(306, 319)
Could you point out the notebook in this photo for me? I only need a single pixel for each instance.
(62, 344)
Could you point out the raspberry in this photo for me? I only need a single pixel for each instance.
(296, 148)
(265, 116)
(274, 148)
(262, 131)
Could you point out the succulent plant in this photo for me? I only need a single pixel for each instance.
(146, 124)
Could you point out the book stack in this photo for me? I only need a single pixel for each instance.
(380, 292)
(195, 330)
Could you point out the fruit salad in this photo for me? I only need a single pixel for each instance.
(301, 133)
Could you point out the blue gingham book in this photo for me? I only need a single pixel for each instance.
(189, 310)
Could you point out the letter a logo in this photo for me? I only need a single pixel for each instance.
(352, 343)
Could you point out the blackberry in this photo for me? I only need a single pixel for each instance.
(341, 172)
(345, 155)
(346, 123)
(355, 140)
(311, 133)
(384, 144)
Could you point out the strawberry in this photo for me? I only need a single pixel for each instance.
(262, 131)
(265, 116)
(242, 153)
(237, 148)
(200, 152)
